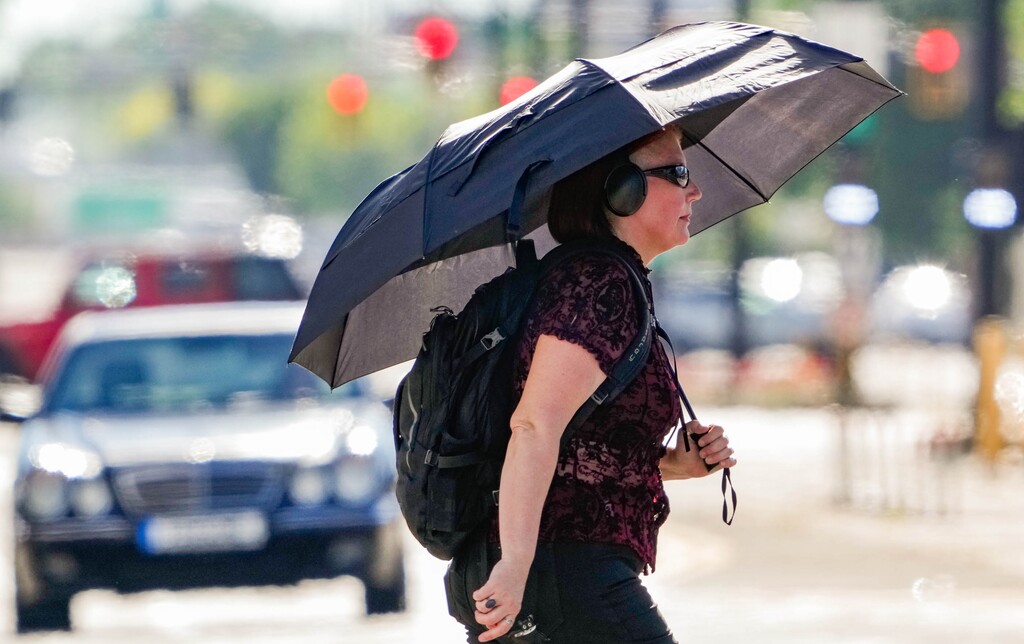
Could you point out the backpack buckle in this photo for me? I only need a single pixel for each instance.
(492, 339)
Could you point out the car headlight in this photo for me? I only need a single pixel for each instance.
(356, 479)
(61, 458)
(361, 440)
(45, 495)
(91, 497)
(308, 487)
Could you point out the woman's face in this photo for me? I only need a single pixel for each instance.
(663, 221)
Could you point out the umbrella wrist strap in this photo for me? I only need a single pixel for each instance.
(728, 491)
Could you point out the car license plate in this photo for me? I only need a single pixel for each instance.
(228, 532)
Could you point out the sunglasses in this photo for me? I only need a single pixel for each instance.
(678, 174)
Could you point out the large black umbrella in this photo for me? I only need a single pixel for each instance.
(760, 104)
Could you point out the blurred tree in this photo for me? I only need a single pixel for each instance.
(146, 111)
(915, 11)
(253, 131)
(1011, 106)
(329, 162)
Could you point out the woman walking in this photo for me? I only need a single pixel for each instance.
(583, 522)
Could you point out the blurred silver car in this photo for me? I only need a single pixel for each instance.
(175, 448)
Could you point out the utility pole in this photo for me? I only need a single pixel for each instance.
(743, 10)
(656, 19)
(740, 250)
(995, 172)
(580, 19)
(497, 28)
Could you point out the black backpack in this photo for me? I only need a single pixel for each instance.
(452, 411)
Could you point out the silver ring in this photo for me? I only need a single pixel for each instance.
(509, 620)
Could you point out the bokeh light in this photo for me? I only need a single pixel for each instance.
(937, 50)
(51, 157)
(276, 236)
(115, 287)
(515, 87)
(924, 301)
(348, 94)
(927, 288)
(993, 208)
(782, 279)
(436, 38)
(851, 204)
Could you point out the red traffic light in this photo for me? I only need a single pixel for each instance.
(436, 38)
(937, 50)
(347, 94)
(515, 87)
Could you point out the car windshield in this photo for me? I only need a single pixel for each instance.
(183, 374)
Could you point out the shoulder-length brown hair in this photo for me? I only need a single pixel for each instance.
(577, 208)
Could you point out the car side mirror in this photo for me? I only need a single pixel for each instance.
(19, 401)
(11, 417)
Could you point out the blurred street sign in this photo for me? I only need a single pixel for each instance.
(117, 212)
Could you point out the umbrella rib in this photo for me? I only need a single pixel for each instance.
(730, 169)
(880, 81)
(426, 198)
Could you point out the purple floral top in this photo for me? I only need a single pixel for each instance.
(607, 486)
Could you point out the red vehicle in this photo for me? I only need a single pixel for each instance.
(147, 280)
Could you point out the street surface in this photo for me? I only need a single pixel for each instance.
(948, 567)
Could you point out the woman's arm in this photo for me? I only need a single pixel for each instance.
(562, 376)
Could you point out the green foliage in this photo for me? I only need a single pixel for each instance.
(916, 11)
(329, 162)
(784, 5)
(1011, 103)
(254, 134)
(920, 186)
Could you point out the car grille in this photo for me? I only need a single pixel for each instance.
(167, 489)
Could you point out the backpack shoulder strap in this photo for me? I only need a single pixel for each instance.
(634, 357)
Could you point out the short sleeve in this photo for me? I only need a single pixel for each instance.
(589, 301)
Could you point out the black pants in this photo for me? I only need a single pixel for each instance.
(576, 594)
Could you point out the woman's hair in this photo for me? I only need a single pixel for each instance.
(577, 209)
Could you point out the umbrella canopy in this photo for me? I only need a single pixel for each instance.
(758, 105)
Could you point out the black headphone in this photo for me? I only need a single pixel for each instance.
(625, 189)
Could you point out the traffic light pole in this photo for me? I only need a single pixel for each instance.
(740, 251)
(989, 336)
(989, 82)
(991, 291)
